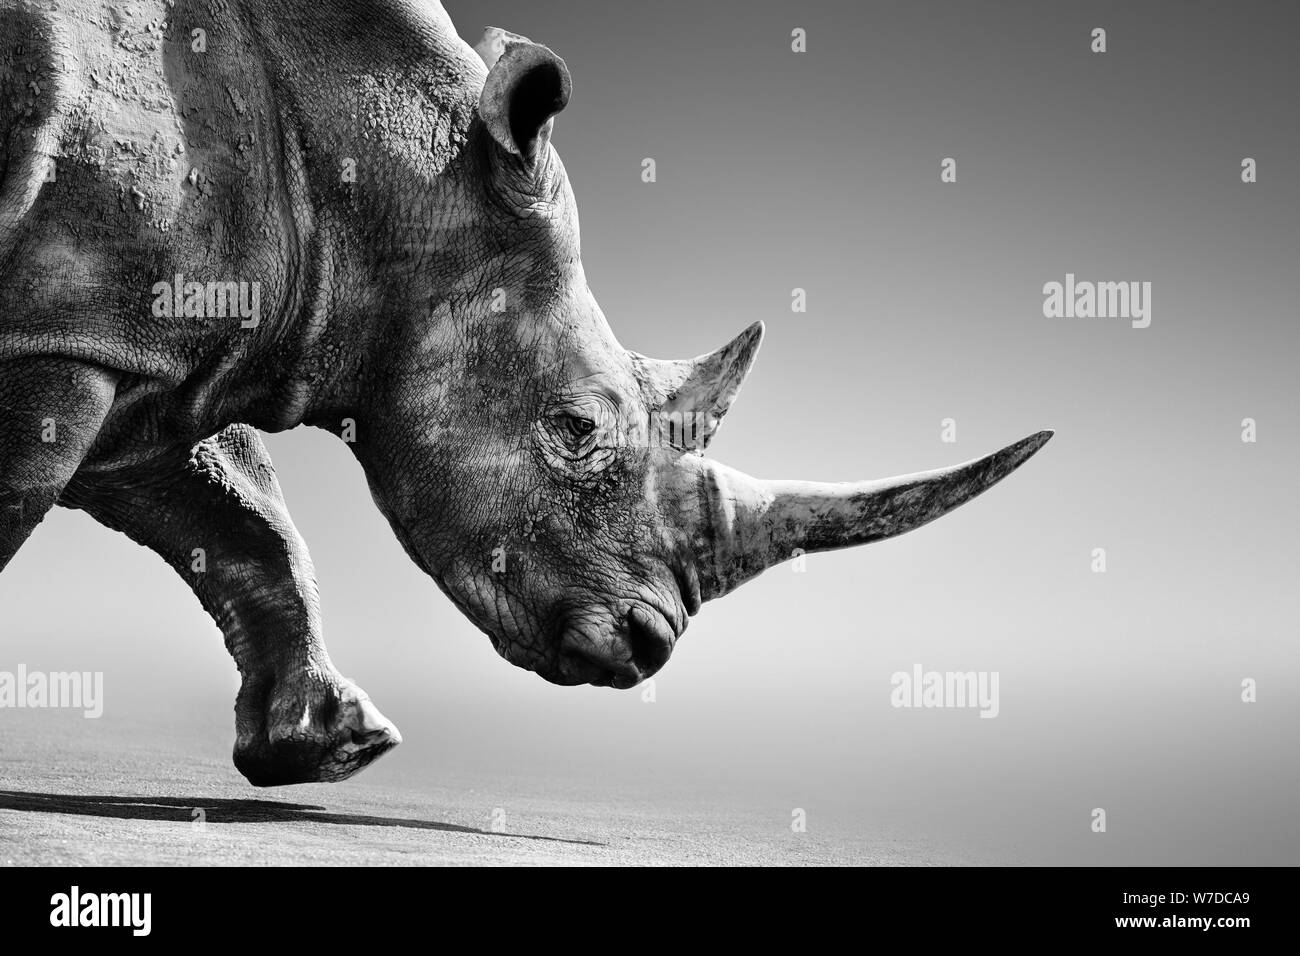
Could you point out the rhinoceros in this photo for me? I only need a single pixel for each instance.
(220, 218)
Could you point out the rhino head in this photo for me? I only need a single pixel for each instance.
(552, 482)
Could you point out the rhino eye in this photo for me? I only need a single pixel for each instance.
(569, 440)
(575, 425)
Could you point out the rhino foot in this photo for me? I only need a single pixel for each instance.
(307, 731)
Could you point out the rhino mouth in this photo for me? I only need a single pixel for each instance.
(618, 653)
(618, 645)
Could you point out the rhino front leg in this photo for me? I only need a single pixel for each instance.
(216, 514)
(51, 410)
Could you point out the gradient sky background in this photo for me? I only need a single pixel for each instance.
(821, 170)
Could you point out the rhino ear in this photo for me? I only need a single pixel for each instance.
(527, 84)
(691, 397)
(493, 44)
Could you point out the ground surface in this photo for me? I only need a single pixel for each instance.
(73, 795)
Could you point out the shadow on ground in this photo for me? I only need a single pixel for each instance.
(181, 809)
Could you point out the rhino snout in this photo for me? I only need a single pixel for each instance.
(620, 654)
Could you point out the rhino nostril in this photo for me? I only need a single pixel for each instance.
(650, 638)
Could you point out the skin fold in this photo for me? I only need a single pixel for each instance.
(389, 199)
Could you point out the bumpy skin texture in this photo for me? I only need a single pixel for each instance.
(415, 243)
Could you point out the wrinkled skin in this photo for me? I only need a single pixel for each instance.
(416, 246)
(482, 456)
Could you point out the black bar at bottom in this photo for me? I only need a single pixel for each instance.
(1167, 906)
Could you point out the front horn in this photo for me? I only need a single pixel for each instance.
(745, 525)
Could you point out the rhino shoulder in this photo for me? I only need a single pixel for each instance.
(36, 92)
